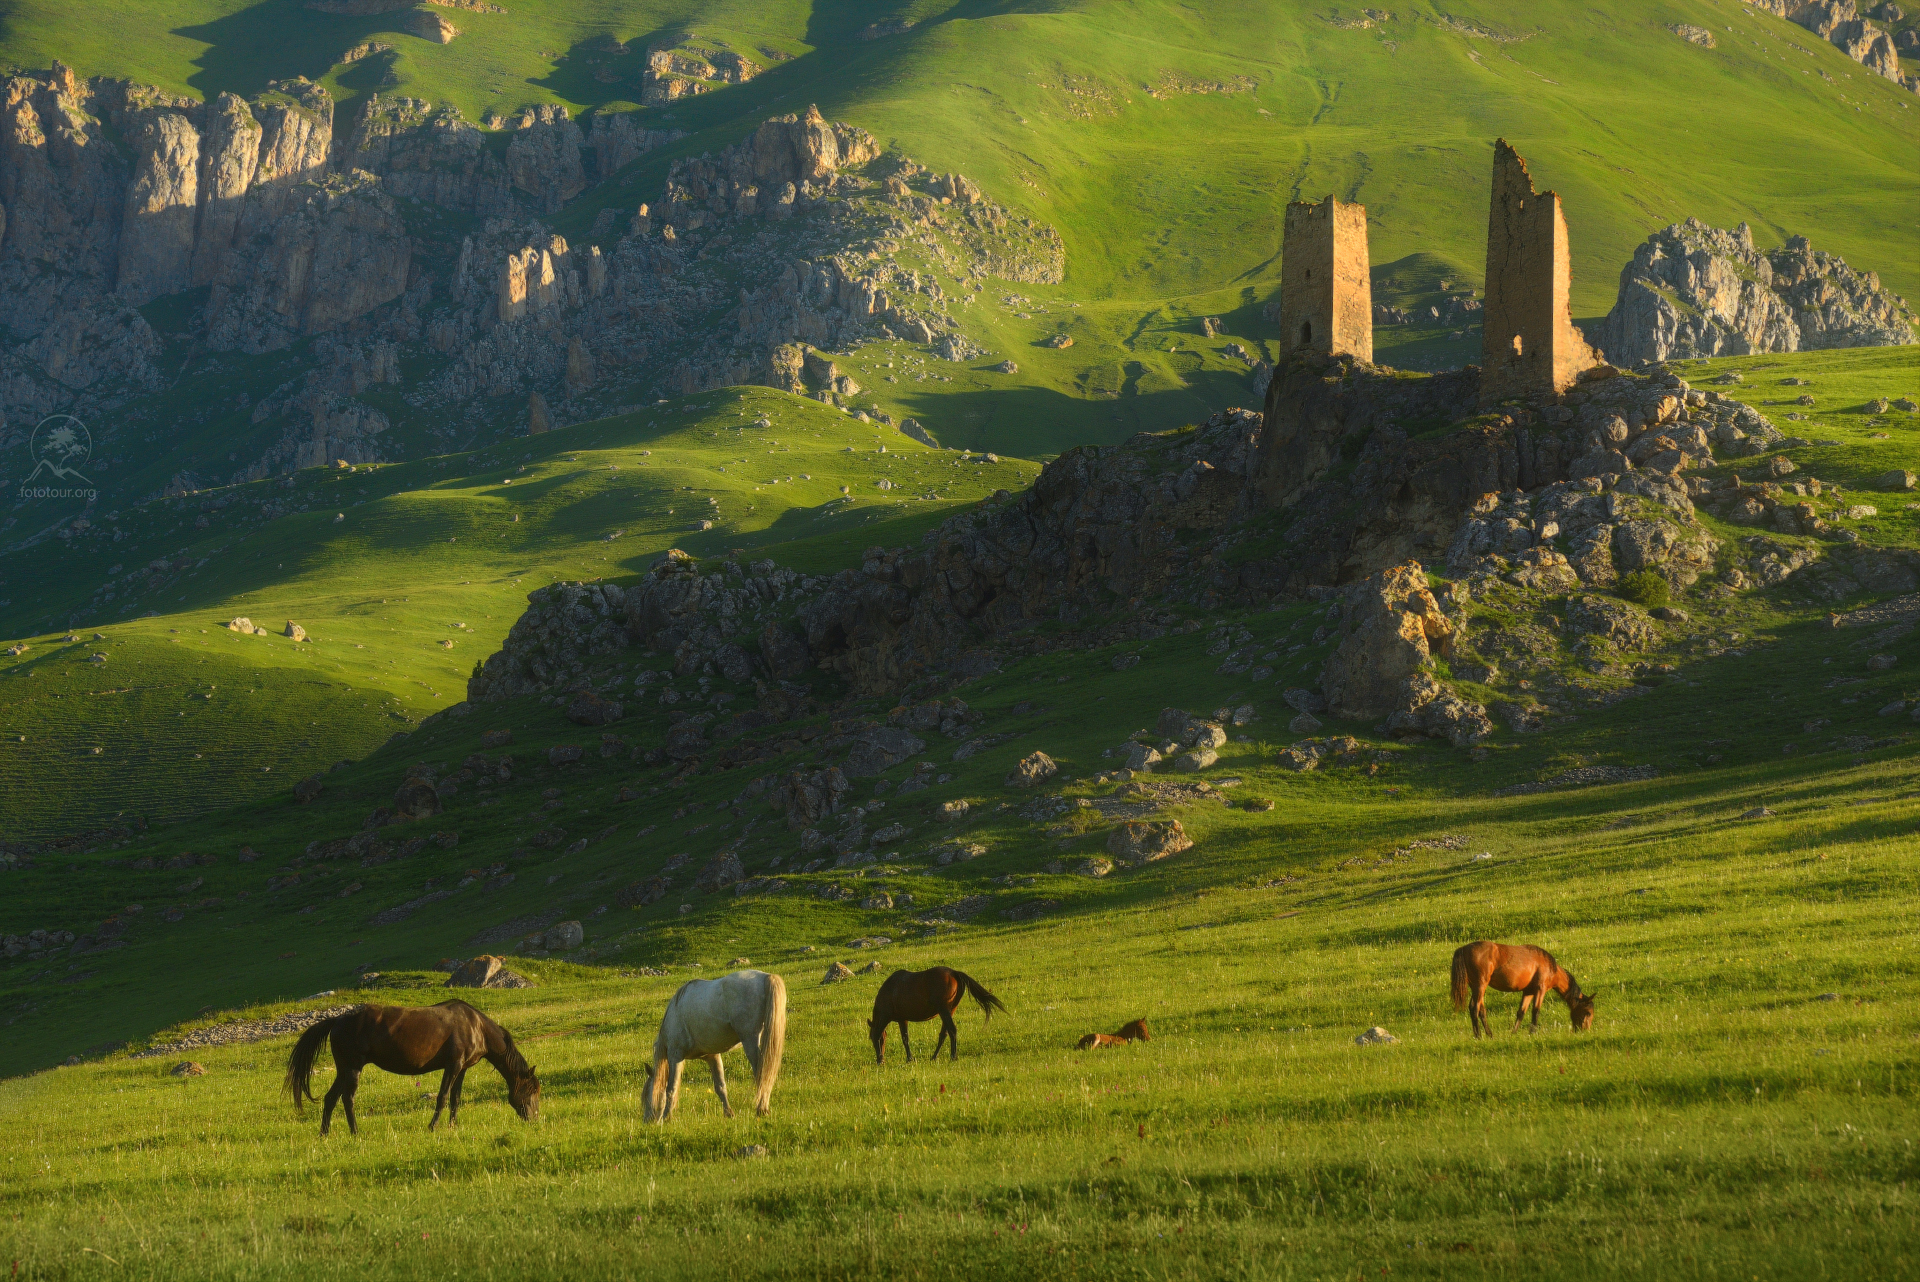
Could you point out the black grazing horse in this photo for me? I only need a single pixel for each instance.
(451, 1037)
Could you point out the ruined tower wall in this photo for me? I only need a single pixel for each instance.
(1530, 345)
(1326, 286)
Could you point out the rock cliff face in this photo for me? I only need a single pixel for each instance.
(1693, 290)
(784, 243)
(785, 235)
(295, 230)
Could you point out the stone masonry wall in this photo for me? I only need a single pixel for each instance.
(1531, 346)
(1326, 290)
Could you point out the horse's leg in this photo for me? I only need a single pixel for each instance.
(346, 1099)
(906, 1045)
(1477, 1010)
(750, 1046)
(673, 1088)
(951, 1031)
(941, 1040)
(333, 1097)
(440, 1100)
(1530, 996)
(453, 1102)
(719, 1068)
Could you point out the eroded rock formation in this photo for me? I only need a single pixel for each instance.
(1840, 23)
(1694, 290)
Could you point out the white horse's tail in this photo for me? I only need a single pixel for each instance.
(654, 1105)
(773, 1040)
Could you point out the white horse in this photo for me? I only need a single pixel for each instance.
(709, 1017)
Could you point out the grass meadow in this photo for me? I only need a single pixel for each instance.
(1744, 1107)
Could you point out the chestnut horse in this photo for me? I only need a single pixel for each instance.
(916, 995)
(1134, 1032)
(412, 1040)
(1514, 968)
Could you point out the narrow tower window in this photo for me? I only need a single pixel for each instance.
(1306, 333)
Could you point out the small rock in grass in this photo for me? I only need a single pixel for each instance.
(1758, 812)
(1881, 662)
(1305, 723)
(189, 1068)
(1032, 769)
(1828, 997)
(1375, 1036)
(837, 972)
(750, 1152)
(1197, 760)
(1135, 843)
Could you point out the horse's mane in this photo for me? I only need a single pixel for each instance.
(513, 1055)
(508, 1051)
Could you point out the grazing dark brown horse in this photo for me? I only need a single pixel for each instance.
(1134, 1032)
(915, 995)
(1514, 968)
(412, 1040)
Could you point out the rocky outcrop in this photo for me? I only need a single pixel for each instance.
(1840, 23)
(643, 302)
(116, 194)
(616, 139)
(1149, 519)
(544, 158)
(163, 199)
(675, 73)
(1391, 628)
(423, 152)
(229, 159)
(336, 250)
(1693, 290)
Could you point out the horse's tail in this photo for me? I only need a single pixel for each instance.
(773, 1041)
(1462, 980)
(654, 1103)
(988, 1002)
(299, 1081)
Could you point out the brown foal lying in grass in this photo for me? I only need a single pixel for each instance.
(1134, 1032)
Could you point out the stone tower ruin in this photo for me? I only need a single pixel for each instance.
(1326, 294)
(1530, 345)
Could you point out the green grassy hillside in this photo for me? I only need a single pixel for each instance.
(404, 577)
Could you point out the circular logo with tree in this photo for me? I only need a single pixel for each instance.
(60, 444)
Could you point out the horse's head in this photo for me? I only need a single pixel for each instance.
(1137, 1031)
(524, 1094)
(1580, 1007)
